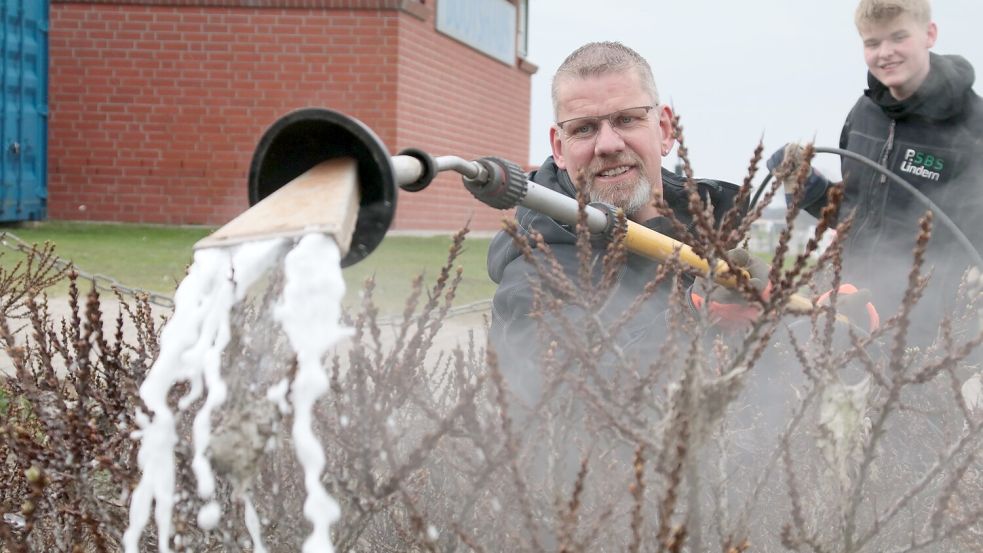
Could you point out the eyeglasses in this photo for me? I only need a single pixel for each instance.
(586, 128)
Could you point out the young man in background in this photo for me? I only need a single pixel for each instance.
(921, 120)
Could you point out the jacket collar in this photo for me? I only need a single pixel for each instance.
(942, 96)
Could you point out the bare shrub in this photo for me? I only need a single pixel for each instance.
(66, 459)
(799, 432)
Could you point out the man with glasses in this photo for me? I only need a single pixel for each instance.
(610, 136)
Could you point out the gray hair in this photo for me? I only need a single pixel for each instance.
(603, 58)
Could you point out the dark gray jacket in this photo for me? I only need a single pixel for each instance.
(514, 334)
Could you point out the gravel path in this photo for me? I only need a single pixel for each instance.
(454, 331)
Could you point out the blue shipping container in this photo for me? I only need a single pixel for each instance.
(24, 129)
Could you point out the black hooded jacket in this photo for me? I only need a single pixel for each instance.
(514, 334)
(934, 141)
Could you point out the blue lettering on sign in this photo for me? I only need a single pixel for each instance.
(486, 25)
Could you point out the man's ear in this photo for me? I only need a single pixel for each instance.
(557, 144)
(665, 125)
(933, 34)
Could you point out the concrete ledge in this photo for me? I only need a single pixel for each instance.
(527, 66)
(416, 8)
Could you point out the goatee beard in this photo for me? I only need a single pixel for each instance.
(640, 196)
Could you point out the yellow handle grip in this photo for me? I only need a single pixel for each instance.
(655, 245)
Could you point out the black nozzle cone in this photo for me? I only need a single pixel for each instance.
(302, 139)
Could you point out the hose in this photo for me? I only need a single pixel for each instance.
(974, 254)
(762, 188)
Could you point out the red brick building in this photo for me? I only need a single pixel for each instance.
(156, 105)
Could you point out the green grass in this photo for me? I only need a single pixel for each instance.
(149, 257)
(400, 258)
(155, 258)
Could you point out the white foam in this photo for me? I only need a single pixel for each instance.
(277, 394)
(309, 313)
(158, 435)
(191, 351)
(253, 525)
(209, 515)
(192, 343)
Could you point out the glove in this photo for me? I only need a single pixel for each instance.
(784, 165)
(728, 308)
(855, 305)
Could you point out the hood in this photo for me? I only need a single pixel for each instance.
(942, 96)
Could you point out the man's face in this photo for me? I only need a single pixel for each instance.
(896, 53)
(617, 163)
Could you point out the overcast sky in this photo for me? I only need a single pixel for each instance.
(735, 70)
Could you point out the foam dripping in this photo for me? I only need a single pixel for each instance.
(192, 344)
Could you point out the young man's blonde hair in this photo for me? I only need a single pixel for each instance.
(872, 12)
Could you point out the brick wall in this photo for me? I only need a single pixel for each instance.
(156, 108)
(455, 101)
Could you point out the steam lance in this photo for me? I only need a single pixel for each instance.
(317, 170)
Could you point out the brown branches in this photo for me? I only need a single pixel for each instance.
(65, 459)
(625, 421)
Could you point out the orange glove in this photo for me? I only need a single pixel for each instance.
(855, 305)
(728, 308)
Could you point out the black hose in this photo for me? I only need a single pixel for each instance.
(757, 193)
(936, 210)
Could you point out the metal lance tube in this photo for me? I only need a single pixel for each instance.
(313, 150)
(503, 185)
